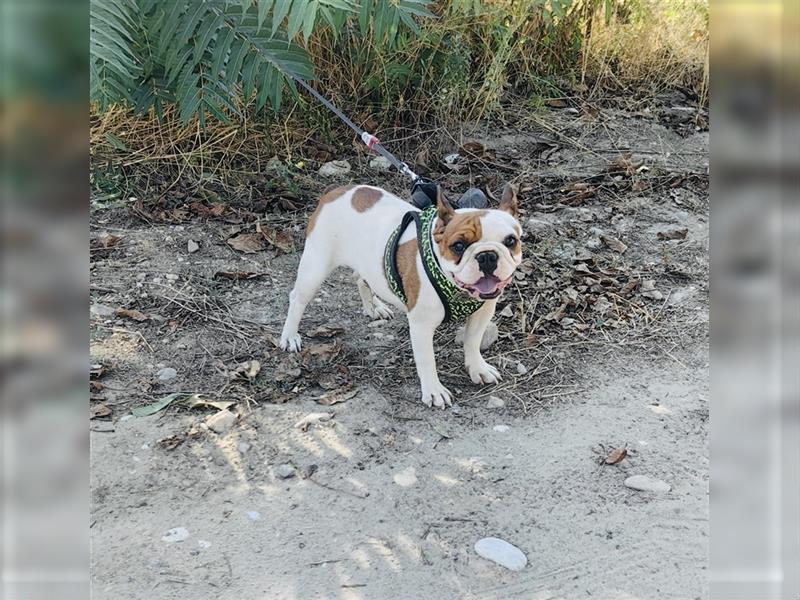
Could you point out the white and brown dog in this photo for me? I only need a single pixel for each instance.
(471, 251)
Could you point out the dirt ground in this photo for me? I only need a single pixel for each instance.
(602, 345)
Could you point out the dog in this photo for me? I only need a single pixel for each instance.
(433, 264)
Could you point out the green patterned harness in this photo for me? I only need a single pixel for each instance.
(457, 303)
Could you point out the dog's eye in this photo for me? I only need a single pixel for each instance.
(510, 241)
(458, 247)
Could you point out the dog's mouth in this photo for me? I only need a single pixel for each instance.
(486, 288)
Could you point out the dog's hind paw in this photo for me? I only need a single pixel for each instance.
(378, 310)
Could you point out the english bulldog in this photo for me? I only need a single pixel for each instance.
(432, 264)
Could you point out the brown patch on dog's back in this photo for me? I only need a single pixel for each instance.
(407, 267)
(327, 197)
(465, 227)
(365, 198)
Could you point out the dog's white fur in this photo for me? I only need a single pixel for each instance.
(345, 237)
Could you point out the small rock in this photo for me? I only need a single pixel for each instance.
(501, 428)
(594, 243)
(495, 402)
(203, 544)
(521, 369)
(167, 374)
(285, 471)
(643, 483)
(335, 168)
(177, 534)
(171, 277)
(254, 515)
(243, 447)
(101, 310)
(451, 159)
(313, 419)
(648, 290)
(406, 478)
(221, 422)
(192, 246)
(538, 226)
(380, 163)
(507, 311)
(500, 551)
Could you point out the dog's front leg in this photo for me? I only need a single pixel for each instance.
(433, 392)
(479, 370)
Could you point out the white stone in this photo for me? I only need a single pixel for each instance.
(167, 373)
(254, 515)
(203, 544)
(500, 551)
(495, 402)
(335, 168)
(221, 422)
(521, 369)
(380, 163)
(501, 428)
(285, 471)
(101, 310)
(192, 246)
(406, 478)
(176, 534)
(643, 483)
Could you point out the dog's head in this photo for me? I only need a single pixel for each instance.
(479, 249)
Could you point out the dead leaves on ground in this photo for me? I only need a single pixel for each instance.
(238, 275)
(673, 234)
(616, 456)
(246, 371)
(263, 238)
(336, 396)
(130, 313)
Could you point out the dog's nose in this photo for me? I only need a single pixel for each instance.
(487, 261)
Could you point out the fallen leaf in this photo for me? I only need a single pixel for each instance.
(171, 442)
(99, 411)
(247, 370)
(472, 148)
(613, 243)
(624, 165)
(616, 456)
(159, 405)
(215, 210)
(282, 240)
(107, 240)
(675, 234)
(249, 243)
(556, 103)
(237, 275)
(130, 313)
(197, 400)
(313, 419)
(96, 386)
(287, 369)
(336, 396)
(326, 331)
(319, 355)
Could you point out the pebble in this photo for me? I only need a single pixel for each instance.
(167, 373)
(495, 402)
(594, 243)
(203, 544)
(177, 534)
(500, 551)
(501, 428)
(192, 246)
(334, 168)
(101, 310)
(285, 471)
(539, 226)
(406, 478)
(171, 277)
(221, 422)
(254, 515)
(243, 447)
(521, 369)
(643, 483)
(380, 163)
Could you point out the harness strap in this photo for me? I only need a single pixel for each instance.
(452, 299)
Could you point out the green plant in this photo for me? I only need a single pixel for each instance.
(212, 57)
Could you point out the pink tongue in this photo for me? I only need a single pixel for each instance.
(487, 284)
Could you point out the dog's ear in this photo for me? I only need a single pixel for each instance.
(508, 202)
(444, 209)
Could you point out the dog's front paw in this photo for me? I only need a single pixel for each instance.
(436, 395)
(290, 343)
(483, 372)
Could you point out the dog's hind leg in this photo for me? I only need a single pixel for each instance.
(373, 306)
(315, 266)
